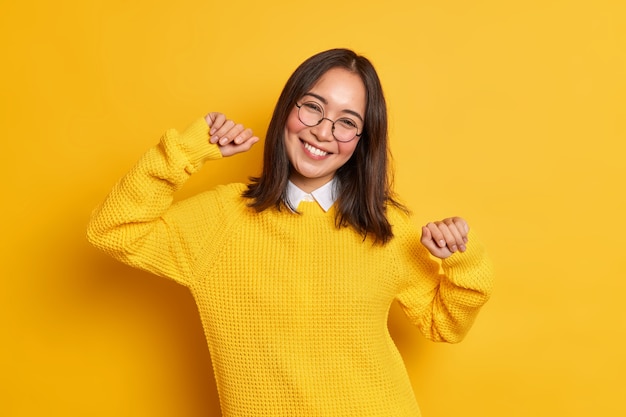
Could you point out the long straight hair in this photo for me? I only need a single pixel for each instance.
(363, 182)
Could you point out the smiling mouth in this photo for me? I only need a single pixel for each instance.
(315, 151)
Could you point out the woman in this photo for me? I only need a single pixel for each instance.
(294, 273)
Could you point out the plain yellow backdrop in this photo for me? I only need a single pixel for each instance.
(510, 114)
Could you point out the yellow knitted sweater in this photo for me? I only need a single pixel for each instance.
(294, 309)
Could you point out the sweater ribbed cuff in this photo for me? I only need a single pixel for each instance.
(472, 255)
(196, 144)
(472, 268)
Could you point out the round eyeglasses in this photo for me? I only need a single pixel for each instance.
(312, 114)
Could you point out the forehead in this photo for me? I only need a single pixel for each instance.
(341, 89)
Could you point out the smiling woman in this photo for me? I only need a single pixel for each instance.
(314, 152)
(294, 273)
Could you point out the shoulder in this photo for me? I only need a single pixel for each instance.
(400, 219)
(224, 196)
(214, 211)
(231, 191)
(406, 233)
(217, 203)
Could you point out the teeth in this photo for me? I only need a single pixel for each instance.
(315, 151)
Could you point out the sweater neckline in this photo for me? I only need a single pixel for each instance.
(312, 208)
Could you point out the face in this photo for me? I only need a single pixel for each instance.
(314, 153)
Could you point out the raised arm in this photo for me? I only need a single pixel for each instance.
(137, 223)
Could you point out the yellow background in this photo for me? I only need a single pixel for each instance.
(511, 114)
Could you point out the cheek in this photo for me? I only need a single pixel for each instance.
(347, 149)
(293, 125)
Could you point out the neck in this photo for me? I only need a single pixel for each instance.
(309, 185)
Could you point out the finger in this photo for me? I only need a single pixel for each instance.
(232, 149)
(245, 146)
(457, 232)
(460, 223)
(432, 246)
(443, 236)
(463, 227)
(221, 131)
(215, 120)
(449, 236)
(437, 235)
(244, 136)
(232, 134)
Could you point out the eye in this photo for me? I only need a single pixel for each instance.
(347, 123)
(313, 107)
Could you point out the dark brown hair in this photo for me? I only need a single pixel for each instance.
(363, 182)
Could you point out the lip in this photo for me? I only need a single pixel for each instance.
(311, 155)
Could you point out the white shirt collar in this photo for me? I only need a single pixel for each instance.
(325, 196)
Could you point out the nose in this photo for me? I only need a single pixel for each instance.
(324, 130)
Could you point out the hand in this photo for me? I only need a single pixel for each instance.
(231, 137)
(445, 237)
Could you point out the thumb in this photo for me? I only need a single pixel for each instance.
(427, 237)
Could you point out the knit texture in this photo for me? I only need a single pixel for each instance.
(294, 309)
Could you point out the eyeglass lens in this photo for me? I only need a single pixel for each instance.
(311, 114)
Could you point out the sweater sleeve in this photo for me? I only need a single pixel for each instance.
(444, 298)
(137, 222)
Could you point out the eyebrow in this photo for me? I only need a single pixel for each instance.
(323, 100)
